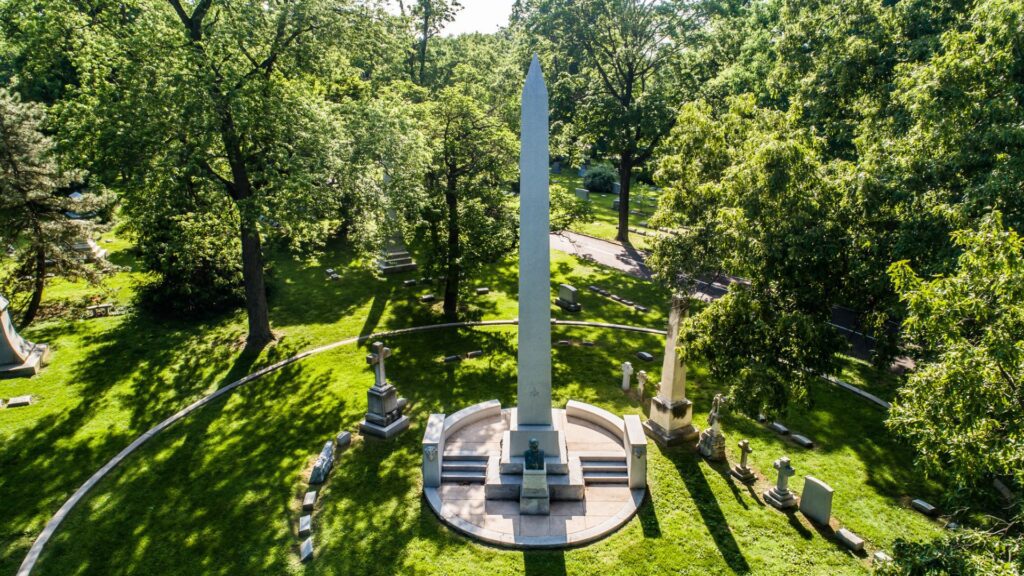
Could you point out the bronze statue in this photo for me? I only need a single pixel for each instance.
(534, 456)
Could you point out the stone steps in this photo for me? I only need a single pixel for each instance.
(464, 466)
(605, 478)
(604, 467)
(463, 477)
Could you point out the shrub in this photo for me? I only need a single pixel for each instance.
(600, 179)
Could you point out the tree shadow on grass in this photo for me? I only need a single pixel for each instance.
(688, 465)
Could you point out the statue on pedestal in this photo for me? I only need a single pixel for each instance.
(534, 457)
(534, 496)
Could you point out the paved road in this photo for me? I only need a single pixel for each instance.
(631, 261)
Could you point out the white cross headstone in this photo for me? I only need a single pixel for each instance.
(785, 471)
(641, 381)
(627, 373)
(376, 359)
(745, 451)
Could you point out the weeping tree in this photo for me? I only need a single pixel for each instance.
(35, 230)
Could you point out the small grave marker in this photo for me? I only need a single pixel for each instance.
(306, 550)
(483, 290)
(645, 356)
(428, 298)
(450, 359)
(19, 401)
(881, 557)
(921, 506)
(305, 525)
(816, 500)
(410, 282)
(802, 440)
(344, 440)
(475, 354)
(850, 540)
(309, 500)
(641, 309)
(778, 427)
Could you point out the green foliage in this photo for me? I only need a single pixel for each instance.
(600, 178)
(35, 232)
(967, 553)
(766, 207)
(568, 210)
(963, 408)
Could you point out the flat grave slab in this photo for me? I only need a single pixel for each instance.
(645, 356)
(19, 401)
(850, 540)
(778, 427)
(802, 440)
(309, 500)
(305, 525)
(924, 507)
(306, 550)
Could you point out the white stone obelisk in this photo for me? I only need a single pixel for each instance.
(671, 415)
(534, 384)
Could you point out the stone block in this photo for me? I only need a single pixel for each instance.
(744, 475)
(850, 540)
(587, 343)
(641, 309)
(779, 499)
(324, 463)
(410, 282)
(778, 427)
(880, 557)
(305, 525)
(593, 288)
(306, 550)
(428, 298)
(802, 440)
(19, 401)
(816, 500)
(453, 358)
(475, 354)
(568, 298)
(564, 343)
(482, 291)
(583, 194)
(343, 440)
(645, 356)
(386, 432)
(924, 507)
(309, 500)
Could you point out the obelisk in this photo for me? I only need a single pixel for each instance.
(671, 415)
(534, 384)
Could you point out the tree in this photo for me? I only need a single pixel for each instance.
(747, 193)
(195, 98)
(963, 408)
(627, 101)
(34, 190)
(468, 220)
(430, 17)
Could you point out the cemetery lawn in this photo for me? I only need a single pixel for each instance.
(219, 492)
(606, 219)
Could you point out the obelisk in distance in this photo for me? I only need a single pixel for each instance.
(534, 385)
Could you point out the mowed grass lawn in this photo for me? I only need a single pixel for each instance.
(605, 224)
(219, 492)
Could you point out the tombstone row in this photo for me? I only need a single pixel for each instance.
(322, 467)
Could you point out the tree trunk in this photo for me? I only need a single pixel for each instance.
(255, 289)
(423, 44)
(625, 171)
(454, 258)
(37, 289)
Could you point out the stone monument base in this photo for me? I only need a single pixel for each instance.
(670, 424)
(386, 432)
(534, 497)
(712, 445)
(35, 361)
(781, 500)
(743, 474)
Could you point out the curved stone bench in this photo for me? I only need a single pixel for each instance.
(596, 416)
(467, 416)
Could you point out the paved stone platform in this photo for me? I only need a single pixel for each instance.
(605, 508)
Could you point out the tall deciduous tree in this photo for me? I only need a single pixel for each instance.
(429, 18)
(34, 201)
(469, 219)
(627, 102)
(198, 97)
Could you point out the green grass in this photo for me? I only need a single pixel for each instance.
(218, 493)
(606, 220)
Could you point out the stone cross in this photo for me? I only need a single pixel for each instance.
(627, 372)
(534, 360)
(641, 380)
(785, 471)
(745, 451)
(376, 359)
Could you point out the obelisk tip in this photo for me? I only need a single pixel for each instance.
(535, 76)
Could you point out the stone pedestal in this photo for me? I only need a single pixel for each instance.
(742, 471)
(384, 417)
(712, 444)
(670, 424)
(534, 496)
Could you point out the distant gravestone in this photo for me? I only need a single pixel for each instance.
(309, 500)
(645, 356)
(627, 373)
(583, 194)
(452, 358)
(850, 540)
(640, 309)
(483, 290)
(881, 557)
(428, 298)
(409, 282)
(556, 167)
(816, 500)
(582, 172)
(919, 505)
(778, 427)
(324, 463)
(343, 441)
(742, 471)
(802, 440)
(568, 298)
(616, 188)
(475, 354)
(306, 550)
(19, 401)
(305, 525)
(615, 204)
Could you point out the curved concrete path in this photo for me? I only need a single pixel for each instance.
(51, 527)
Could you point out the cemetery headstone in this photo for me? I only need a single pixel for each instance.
(306, 550)
(615, 204)
(305, 525)
(802, 440)
(583, 194)
(881, 557)
(475, 354)
(616, 188)
(923, 507)
(343, 441)
(18, 357)
(556, 167)
(568, 298)
(641, 382)
(816, 500)
(409, 282)
(428, 298)
(452, 358)
(19, 401)
(742, 471)
(850, 540)
(324, 463)
(778, 427)
(483, 290)
(640, 309)
(712, 440)
(780, 495)
(671, 414)
(309, 500)
(645, 356)
(384, 417)
(627, 373)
